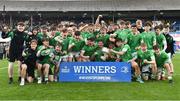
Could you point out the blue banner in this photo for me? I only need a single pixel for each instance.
(95, 72)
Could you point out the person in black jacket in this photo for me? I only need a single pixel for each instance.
(170, 45)
(1, 51)
(18, 37)
(170, 41)
(29, 62)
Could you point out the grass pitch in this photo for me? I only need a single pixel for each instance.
(151, 90)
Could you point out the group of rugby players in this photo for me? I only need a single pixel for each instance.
(39, 52)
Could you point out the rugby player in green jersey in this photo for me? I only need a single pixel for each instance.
(87, 52)
(148, 37)
(124, 52)
(103, 36)
(88, 32)
(147, 62)
(160, 38)
(75, 46)
(70, 32)
(162, 61)
(42, 34)
(53, 34)
(45, 54)
(58, 54)
(112, 57)
(122, 33)
(64, 39)
(128, 25)
(134, 39)
(101, 53)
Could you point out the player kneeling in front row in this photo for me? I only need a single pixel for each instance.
(162, 61)
(75, 46)
(58, 54)
(124, 52)
(45, 54)
(147, 62)
(29, 63)
(87, 52)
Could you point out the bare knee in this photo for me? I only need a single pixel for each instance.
(24, 67)
(166, 65)
(46, 66)
(134, 65)
(39, 66)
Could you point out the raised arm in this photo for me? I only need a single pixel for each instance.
(98, 19)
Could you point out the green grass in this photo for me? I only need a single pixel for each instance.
(151, 90)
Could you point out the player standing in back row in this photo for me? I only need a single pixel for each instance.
(16, 47)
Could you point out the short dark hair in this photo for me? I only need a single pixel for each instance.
(44, 27)
(91, 39)
(64, 30)
(45, 39)
(143, 44)
(119, 39)
(81, 25)
(72, 25)
(21, 23)
(156, 47)
(133, 25)
(58, 44)
(158, 27)
(111, 44)
(166, 26)
(122, 22)
(77, 33)
(35, 28)
(148, 23)
(91, 24)
(53, 28)
(128, 22)
(34, 40)
(103, 28)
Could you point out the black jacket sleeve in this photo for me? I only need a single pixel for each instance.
(4, 35)
(173, 50)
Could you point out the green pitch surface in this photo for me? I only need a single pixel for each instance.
(151, 90)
